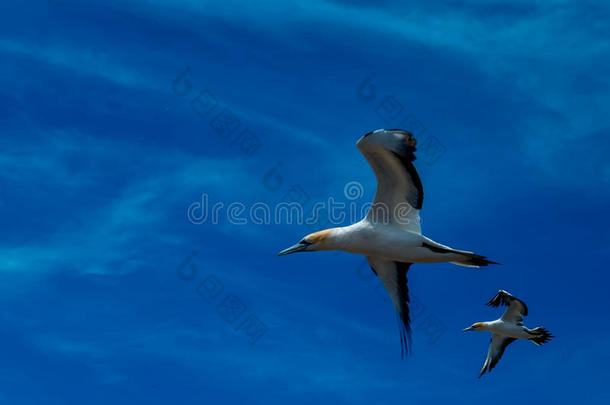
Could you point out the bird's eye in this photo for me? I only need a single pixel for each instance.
(304, 242)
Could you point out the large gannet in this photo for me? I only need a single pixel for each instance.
(390, 234)
(507, 329)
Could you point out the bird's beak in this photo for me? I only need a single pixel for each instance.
(299, 247)
(467, 329)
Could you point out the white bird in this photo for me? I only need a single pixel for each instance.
(390, 234)
(507, 329)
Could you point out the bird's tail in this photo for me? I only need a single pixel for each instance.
(459, 257)
(469, 259)
(540, 335)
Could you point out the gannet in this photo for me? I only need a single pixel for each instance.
(390, 234)
(507, 329)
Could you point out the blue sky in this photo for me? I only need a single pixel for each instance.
(101, 157)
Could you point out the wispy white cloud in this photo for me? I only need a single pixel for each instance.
(519, 50)
(102, 236)
(83, 61)
(43, 159)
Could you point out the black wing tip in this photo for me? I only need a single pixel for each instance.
(485, 369)
(406, 158)
(524, 308)
(503, 297)
(410, 142)
(404, 318)
(404, 330)
(494, 360)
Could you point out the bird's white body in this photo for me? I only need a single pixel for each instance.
(387, 241)
(506, 329)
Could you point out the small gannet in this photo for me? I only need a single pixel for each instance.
(507, 329)
(390, 234)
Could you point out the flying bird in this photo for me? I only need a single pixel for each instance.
(390, 234)
(507, 329)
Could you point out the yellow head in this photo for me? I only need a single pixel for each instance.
(312, 242)
(475, 326)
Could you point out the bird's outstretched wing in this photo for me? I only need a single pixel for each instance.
(400, 194)
(394, 278)
(496, 349)
(516, 308)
